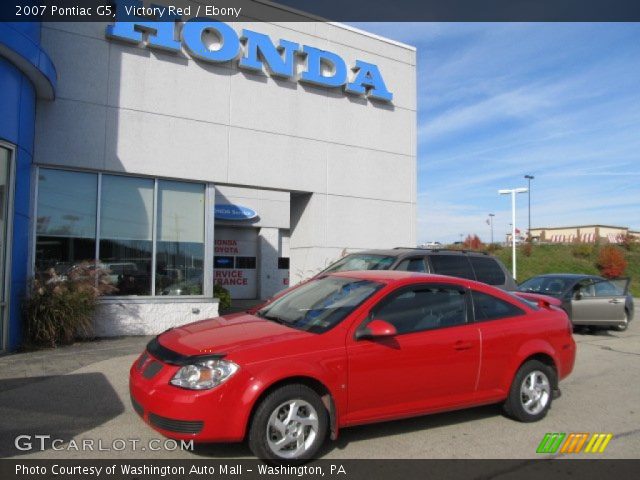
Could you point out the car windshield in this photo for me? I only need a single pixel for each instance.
(361, 261)
(320, 304)
(546, 285)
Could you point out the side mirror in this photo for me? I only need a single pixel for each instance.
(376, 329)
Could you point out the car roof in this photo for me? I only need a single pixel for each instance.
(389, 276)
(402, 251)
(568, 276)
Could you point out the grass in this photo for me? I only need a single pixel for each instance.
(561, 259)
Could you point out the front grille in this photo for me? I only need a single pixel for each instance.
(178, 426)
(137, 407)
(152, 369)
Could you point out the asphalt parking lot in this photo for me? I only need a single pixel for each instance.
(80, 393)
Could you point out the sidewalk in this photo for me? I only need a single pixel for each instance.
(63, 360)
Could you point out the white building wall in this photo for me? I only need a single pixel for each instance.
(125, 108)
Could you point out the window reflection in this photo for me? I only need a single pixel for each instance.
(180, 238)
(126, 243)
(66, 223)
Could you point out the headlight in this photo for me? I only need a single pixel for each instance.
(204, 375)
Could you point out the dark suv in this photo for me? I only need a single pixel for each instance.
(456, 263)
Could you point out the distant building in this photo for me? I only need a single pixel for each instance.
(581, 233)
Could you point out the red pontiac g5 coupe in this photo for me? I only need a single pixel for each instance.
(347, 349)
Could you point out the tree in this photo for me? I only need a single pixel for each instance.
(611, 262)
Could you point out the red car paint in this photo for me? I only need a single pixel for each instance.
(537, 297)
(368, 381)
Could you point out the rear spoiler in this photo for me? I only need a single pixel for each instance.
(543, 301)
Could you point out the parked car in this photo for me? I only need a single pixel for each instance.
(588, 299)
(472, 265)
(347, 349)
(478, 266)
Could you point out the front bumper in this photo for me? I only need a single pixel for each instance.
(216, 415)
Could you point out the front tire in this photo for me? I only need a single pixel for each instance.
(531, 392)
(289, 425)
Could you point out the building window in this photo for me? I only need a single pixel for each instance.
(246, 263)
(283, 263)
(75, 210)
(180, 234)
(222, 262)
(126, 224)
(66, 223)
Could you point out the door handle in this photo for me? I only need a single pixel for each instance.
(462, 345)
(615, 301)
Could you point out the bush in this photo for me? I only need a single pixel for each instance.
(526, 249)
(473, 242)
(223, 295)
(611, 262)
(59, 308)
(494, 247)
(582, 250)
(627, 240)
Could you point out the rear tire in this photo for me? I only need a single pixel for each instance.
(531, 392)
(623, 326)
(289, 425)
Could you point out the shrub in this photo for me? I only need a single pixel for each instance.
(626, 240)
(582, 250)
(59, 307)
(526, 249)
(611, 262)
(223, 295)
(494, 247)
(473, 242)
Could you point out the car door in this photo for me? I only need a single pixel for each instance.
(599, 302)
(431, 363)
(499, 322)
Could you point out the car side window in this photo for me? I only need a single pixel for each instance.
(423, 308)
(415, 264)
(453, 265)
(606, 288)
(487, 307)
(487, 270)
(586, 288)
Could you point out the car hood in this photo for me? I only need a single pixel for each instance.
(535, 297)
(223, 335)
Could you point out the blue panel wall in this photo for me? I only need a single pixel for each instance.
(17, 125)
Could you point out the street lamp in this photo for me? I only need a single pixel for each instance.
(491, 215)
(513, 192)
(529, 178)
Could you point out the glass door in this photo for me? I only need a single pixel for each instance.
(5, 184)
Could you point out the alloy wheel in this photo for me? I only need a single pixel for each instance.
(292, 428)
(535, 392)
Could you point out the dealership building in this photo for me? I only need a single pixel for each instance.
(180, 155)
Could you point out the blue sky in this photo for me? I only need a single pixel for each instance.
(498, 101)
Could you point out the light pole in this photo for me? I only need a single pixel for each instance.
(529, 178)
(513, 192)
(491, 215)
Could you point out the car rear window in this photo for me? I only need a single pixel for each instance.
(453, 265)
(488, 307)
(487, 270)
